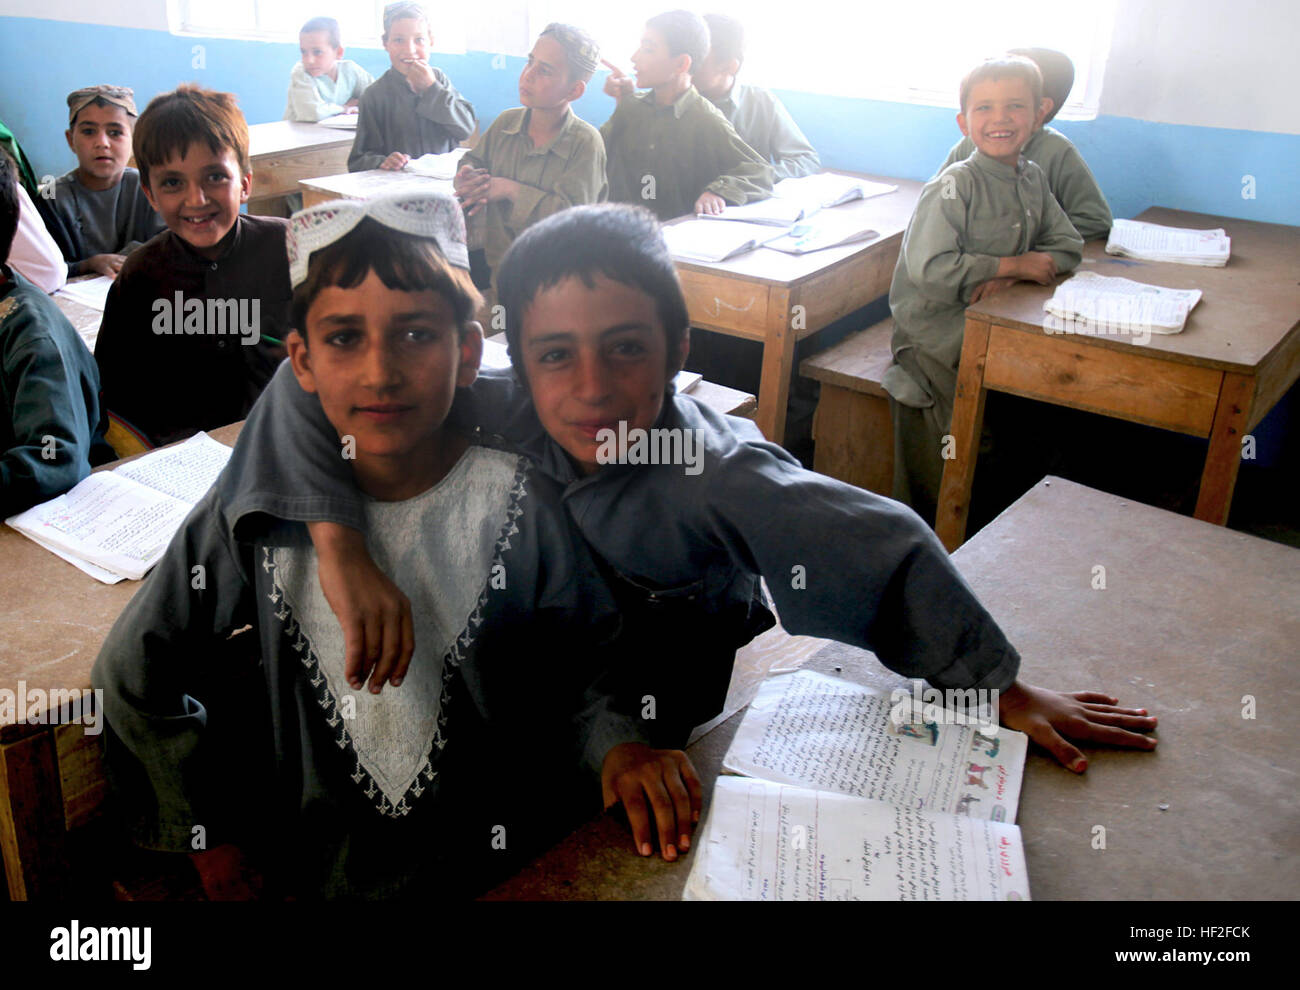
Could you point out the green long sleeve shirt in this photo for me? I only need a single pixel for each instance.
(665, 157)
(1068, 176)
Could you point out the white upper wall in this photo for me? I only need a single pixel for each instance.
(1207, 63)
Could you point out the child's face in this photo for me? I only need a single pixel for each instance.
(198, 195)
(713, 77)
(654, 64)
(1000, 117)
(544, 84)
(594, 357)
(385, 365)
(318, 56)
(101, 139)
(408, 41)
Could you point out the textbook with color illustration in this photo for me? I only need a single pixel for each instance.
(115, 525)
(851, 794)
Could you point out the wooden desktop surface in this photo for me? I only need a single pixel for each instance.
(1194, 618)
(1220, 376)
(282, 152)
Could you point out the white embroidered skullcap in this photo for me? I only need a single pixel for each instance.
(436, 215)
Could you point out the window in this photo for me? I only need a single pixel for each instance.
(360, 21)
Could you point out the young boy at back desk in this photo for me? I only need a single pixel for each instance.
(598, 326)
(324, 84)
(980, 225)
(1068, 175)
(670, 149)
(539, 158)
(194, 324)
(100, 212)
(413, 109)
(50, 425)
(758, 116)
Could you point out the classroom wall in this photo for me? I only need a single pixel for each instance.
(1198, 95)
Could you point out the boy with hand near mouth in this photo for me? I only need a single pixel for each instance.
(413, 109)
(99, 213)
(324, 84)
(979, 226)
(598, 327)
(670, 149)
(539, 158)
(175, 354)
(1068, 175)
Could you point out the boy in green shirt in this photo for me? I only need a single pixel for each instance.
(982, 224)
(1068, 175)
(670, 149)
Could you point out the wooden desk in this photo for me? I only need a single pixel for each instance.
(53, 620)
(362, 185)
(284, 151)
(1237, 357)
(1173, 633)
(754, 295)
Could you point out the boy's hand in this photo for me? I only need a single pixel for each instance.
(710, 203)
(226, 875)
(500, 188)
(418, 74)
(105, 264)
(374, 614)
(1048, 716)
(1032, 266)
(989, 288)
(352, 106)
(472, 186)
(617, 84)
(633, 772)
(395, 162)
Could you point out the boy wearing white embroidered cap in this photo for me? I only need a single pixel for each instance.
(364, 780)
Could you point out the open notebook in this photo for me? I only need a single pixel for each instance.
(849, 794)
(115, 525)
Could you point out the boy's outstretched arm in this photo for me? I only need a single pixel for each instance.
(1048, 717)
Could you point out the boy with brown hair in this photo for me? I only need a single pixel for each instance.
(979, 226)
(193, 325)
(670, 149)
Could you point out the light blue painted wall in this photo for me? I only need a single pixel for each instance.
(1137, 163)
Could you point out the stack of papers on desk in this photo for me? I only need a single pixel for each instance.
(772, 211)
(826, 189)
(115, 525)
(342, 121)
(92, 292)
(1087, 303)
(827, 229)
(704, 240)
(842, 801)
(1152, 242)
(442, 166)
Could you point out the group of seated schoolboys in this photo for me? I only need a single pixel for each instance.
(439, 623)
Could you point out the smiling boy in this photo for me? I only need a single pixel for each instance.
(173, 354)
(99, 213)
(324, 83)
(539, 158)
(979, 226)
(413, 109)
(670, 149)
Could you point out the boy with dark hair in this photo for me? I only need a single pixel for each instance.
(1068, 175)
(411, 792)
(598, 326)
(324, 83)
(759, 118)
(980, 225)
(413, 109)
(194, 324)
(51, 431)
(539, 158)
(99, 212)
(670, 149)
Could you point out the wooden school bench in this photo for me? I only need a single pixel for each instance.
(1197, 624)
(1237, 356)
(754, 295)
(853, 427)
(284, 151)
(53, 620)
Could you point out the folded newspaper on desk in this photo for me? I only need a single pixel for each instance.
(1181, 245)
(1099, 305)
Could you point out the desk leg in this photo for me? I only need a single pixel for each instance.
(1223, 458)
(967, 420)
(778, 366)
(32, 825)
